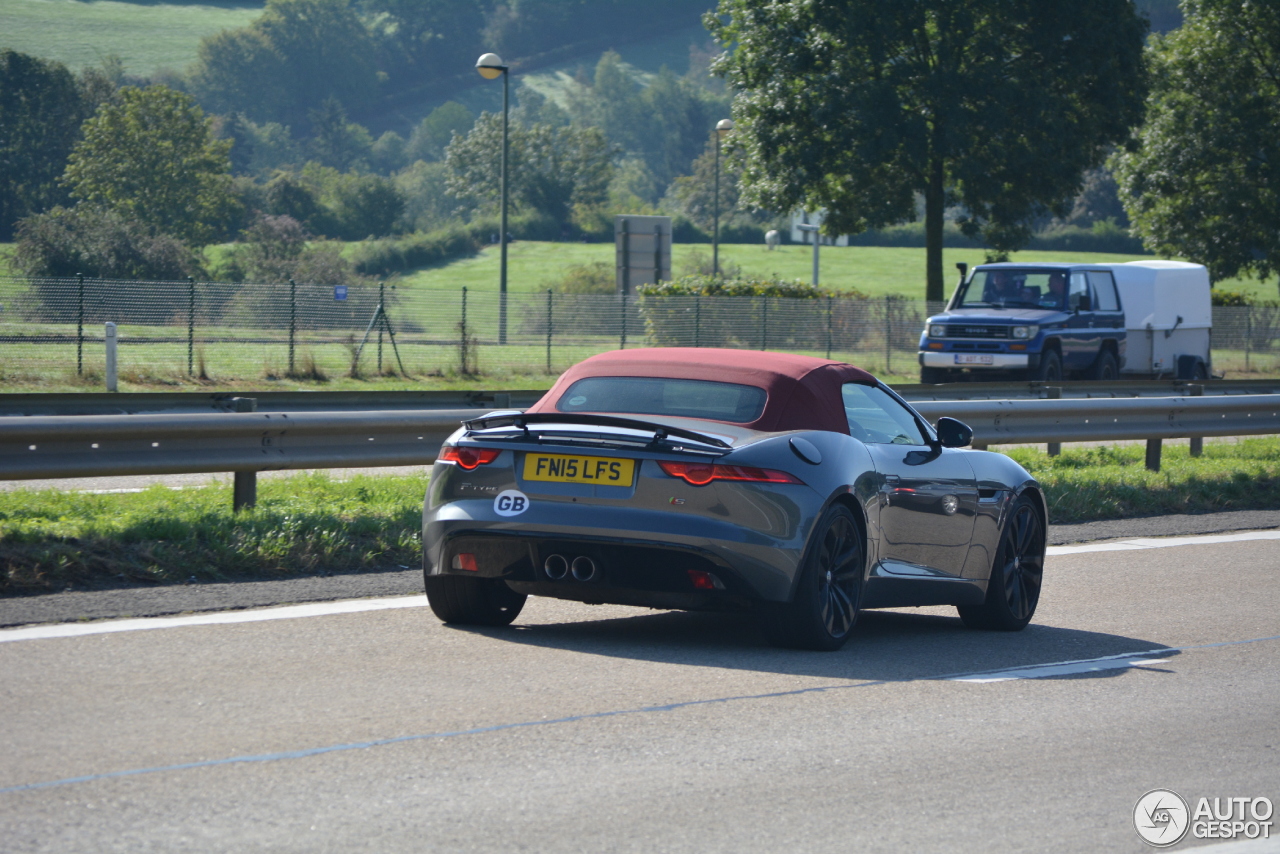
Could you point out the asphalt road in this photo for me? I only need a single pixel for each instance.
(618, 729)
(136, 600)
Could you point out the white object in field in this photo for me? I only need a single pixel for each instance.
(799, 235)
(772, 239)
(111, 356)
(1168, 312)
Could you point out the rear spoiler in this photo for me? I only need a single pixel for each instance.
(660, 432)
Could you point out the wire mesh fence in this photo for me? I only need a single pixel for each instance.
(54, 328)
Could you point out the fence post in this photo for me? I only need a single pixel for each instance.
(191, 325)
(244, 486)
(828, 327)
(1153, 454)
(697, 320)
(1054, 393)
(764, 323)
(657, 254)
(1248, 334)
(550, 327)
(80, 326)
(888, 333)
(293, 320)
(463, 343)
(382, 293)
(110, 338)
(623, 344)
(1197, 442)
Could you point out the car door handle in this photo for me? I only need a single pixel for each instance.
(891, 480)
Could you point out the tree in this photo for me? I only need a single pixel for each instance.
(999, 106)
(552, 170)
(288, 62)
(436, 131)
(433, 37)
(337, 142)
(151, 156)
(41, 109)
(1203, 179)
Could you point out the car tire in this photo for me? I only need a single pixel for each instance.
(823, 611)
(1050, 370)
(473, 601)
(1104, 368)
(933, 376)
(1013, 590)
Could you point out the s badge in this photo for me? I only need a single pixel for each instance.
(510, 502)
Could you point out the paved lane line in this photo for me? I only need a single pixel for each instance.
(1140, 657)
(352, 606)
(253, 615)
(1068, 668)
(1163, 542)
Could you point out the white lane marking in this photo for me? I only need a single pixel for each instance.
(1063, 668)
(1095, 665)
(1162, 543)
(255, 615)
(352, 606)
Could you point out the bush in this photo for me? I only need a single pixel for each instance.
(99, 243)
(710, 311)
(385, 257)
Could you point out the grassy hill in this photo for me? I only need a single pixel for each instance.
(874, 270)
(145, 35)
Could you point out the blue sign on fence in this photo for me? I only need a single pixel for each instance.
(340, 292)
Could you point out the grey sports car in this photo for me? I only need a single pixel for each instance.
(799, 488)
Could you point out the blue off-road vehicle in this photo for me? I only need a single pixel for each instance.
(1042, 322)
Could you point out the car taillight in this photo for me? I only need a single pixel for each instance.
(700, 474)
(468, 458)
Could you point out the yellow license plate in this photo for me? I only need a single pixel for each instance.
(563, 468)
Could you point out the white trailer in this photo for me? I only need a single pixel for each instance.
(1168, 317)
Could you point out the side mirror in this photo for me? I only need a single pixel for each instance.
(953, 433)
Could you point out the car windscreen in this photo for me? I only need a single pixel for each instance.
(1012, 288)
(716, 401)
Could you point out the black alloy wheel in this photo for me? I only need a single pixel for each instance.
(829, 593)
(1013, 591)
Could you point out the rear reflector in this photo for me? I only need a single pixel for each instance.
(468, 457)
(700, 474)
(467, 561)
(705, 580)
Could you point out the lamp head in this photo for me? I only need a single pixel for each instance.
(723, 127)
(491, 66)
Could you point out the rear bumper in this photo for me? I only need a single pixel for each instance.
(999, 361)
(643, 556)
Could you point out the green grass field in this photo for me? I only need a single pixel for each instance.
(310, 523)
(874, 270)
(145, 35)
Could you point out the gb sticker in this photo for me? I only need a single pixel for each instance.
(510, 502)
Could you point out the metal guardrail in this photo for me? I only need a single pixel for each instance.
(129, 403)
(61, 446)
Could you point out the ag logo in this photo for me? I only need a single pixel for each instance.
(1161, 818)
(510, 502)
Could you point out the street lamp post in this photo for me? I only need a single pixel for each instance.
(490, 66)
(722, 130)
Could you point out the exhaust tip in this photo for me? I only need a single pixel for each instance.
(584, 568)
(556, 567)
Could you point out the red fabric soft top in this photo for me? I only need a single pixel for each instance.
(803, 392)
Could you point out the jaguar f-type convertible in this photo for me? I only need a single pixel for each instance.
(802, 489)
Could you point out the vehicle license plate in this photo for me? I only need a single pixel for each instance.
(564, 468)
(975, 359)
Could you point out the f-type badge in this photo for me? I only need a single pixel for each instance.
(950, 504)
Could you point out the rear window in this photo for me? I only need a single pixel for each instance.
(717, 401)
